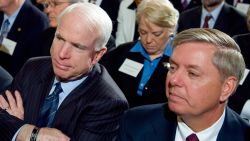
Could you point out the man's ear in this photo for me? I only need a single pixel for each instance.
(228, 88)
(99, 54)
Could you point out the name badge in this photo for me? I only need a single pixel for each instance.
(8, 46)
(131, 67)
(244, 77)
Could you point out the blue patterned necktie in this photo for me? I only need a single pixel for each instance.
(5, 30)
(49, 108)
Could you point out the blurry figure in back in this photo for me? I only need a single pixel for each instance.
(127, 29)
(138, 67)
(23, 24)
(214, 14)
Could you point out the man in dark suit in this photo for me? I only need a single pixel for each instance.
(5, 79)
(198, 85)
(86, 105)
(224, 17)
(181, 7)
(26, 24)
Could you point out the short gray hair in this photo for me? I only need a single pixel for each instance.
(99, 21)
(227, 59)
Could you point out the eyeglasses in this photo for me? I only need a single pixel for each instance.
(53, 3)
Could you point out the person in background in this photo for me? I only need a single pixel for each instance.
(127, 29)
(67, 96)
(214, 14)
(182, 5)
(204, 71)
(53, 8)
(138, 67)
(240, 100)
(21, 27)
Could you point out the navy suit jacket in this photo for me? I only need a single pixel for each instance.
(177, 4)
(157, 123)
(154, 90)
(229, 21)
(26, 30)
(91, 112)
(241, 95)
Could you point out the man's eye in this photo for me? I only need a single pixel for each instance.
(193, 74)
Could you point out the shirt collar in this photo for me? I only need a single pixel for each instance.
(215, 13)
(139, 48)
(210, 133)
(70, 85)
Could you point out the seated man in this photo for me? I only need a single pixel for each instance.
(204, 70)
(67, 96)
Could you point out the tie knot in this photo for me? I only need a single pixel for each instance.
(192, 137)
(56, 92)
(207, 18)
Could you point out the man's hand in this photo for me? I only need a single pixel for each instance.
(45, 134)
(11, 105)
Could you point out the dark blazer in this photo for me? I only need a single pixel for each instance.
(230, 20)
(5, 79)
(111, 7)
(241, 95)
(90, 112)
(177, 4)
(26, 30)
(157, 123)
(154, 90)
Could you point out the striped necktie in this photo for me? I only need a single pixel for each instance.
(207, 18)
(49, 108)
(5, 30)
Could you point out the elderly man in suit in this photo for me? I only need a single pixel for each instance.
(23, 24)
(67, 96)
(204, 70)
(214, 14)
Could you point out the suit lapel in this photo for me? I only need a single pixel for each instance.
(222, 18)
(164, 128)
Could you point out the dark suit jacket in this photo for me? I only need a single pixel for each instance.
(26, 30)
(89, 113)
(177, 4)
(241, 95)
(154, 90)
(157, 123)
(229, 20)
(111, 7)
(5, 79)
